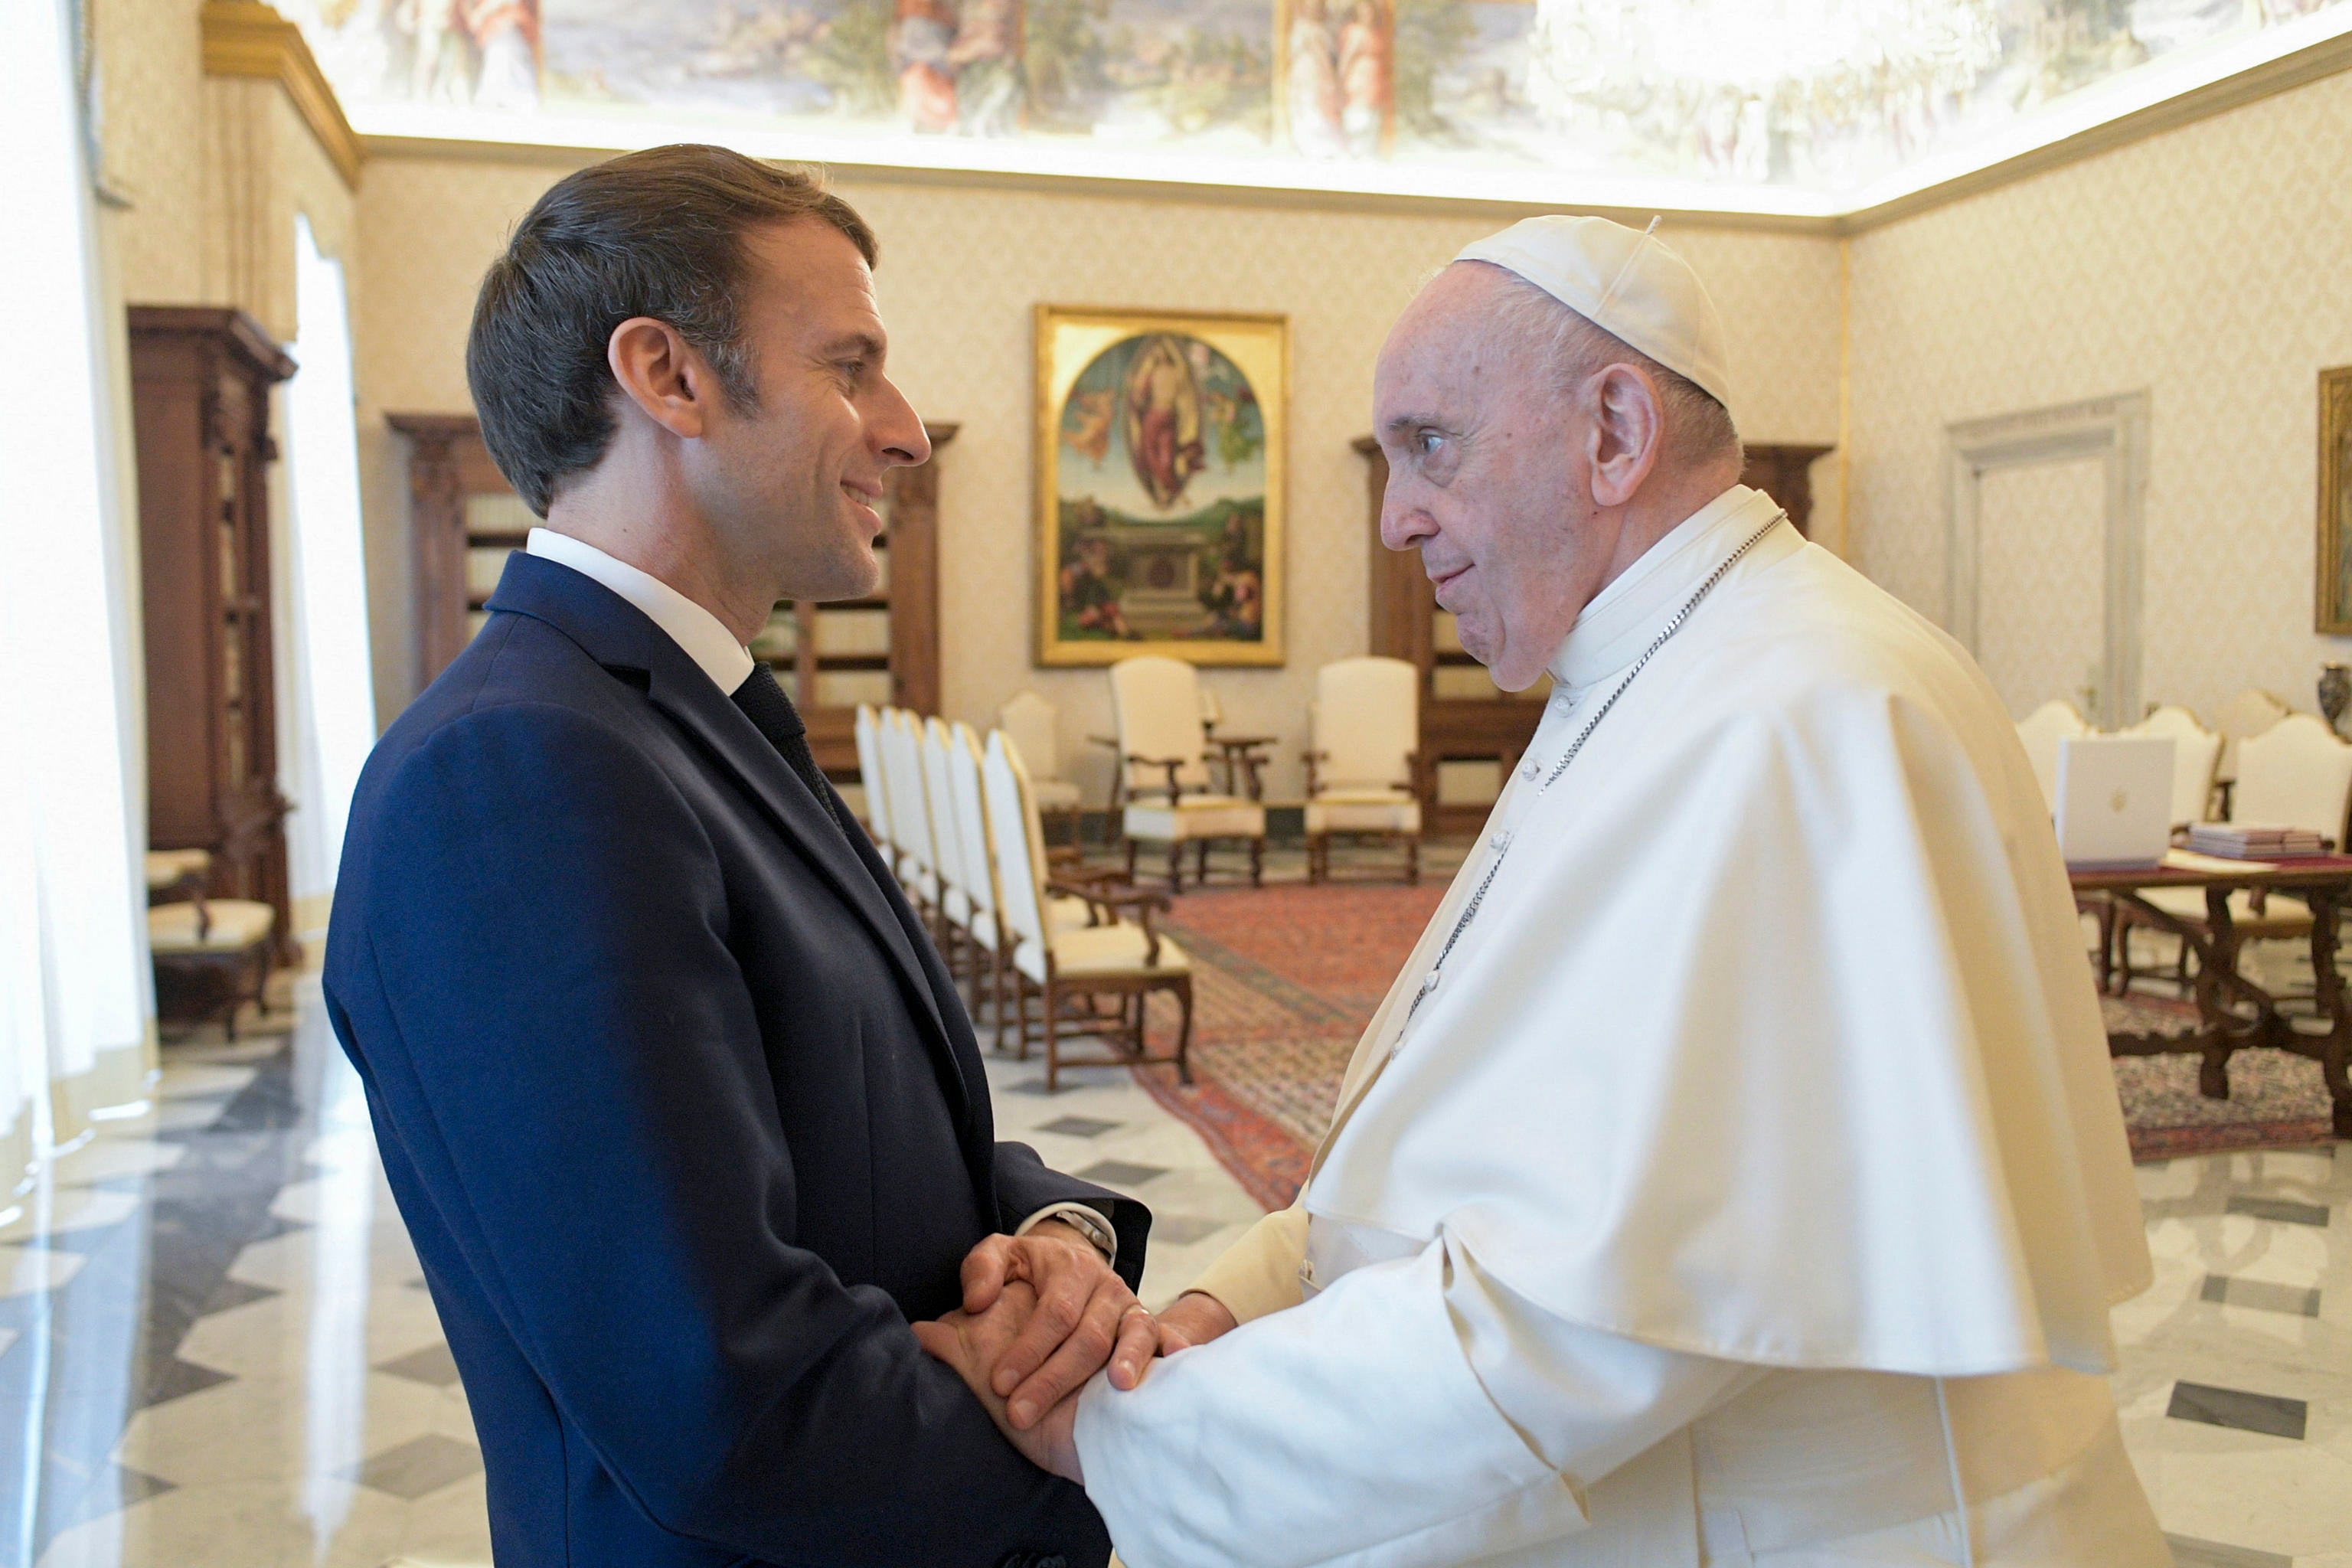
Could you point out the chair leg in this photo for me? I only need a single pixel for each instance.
(1053, 1036)
(1175, 864)
(1019, 1016)
(1184, 1031)
(1413, 860)
(997, 967)
(1201, 862)
(1316, 844)
(1258, 862)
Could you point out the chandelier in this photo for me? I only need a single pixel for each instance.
(1822, 65)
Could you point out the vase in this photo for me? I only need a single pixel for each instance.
(2335, 691)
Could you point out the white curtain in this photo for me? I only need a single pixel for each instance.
(74, 980)
(329, 687)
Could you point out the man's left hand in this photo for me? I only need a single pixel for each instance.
(971, 1343)
(1084, 1316)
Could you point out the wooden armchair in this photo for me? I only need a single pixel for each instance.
(1114, 957)
(1157, 704)
(1364, 764)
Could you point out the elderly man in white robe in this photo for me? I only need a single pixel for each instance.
(1734, 1175)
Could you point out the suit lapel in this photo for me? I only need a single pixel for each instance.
(618, 635)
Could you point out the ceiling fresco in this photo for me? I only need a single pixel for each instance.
(1809, 106)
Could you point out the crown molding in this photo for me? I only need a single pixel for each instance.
(245, 38)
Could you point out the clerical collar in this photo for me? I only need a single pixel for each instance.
(1622, 617)
(695, 630)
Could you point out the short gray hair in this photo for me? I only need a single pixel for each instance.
(1697, 426)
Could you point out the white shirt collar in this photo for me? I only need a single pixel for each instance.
(695, 630)
(1621, 620)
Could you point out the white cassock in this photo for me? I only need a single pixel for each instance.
(1751, 1187)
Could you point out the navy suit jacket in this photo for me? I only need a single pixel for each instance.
(685, 1118)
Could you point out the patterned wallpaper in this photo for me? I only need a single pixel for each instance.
(962, 269)
(2206, 266)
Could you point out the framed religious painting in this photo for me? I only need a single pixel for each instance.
(2333, 610)
(1162, 438)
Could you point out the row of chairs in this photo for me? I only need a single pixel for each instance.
(957, 819)
(2260, 763)
(1362, 765)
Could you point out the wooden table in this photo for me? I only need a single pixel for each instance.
(2234, 1013)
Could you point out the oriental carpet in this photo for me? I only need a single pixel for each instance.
(1285, 977)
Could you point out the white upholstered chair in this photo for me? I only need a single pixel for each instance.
(1363, 736)
(1164, 763)
(2296, 774)
(901, 750)
(2195, 753)
(1035, 729)
(867, 730)
(2041, 730)
(1124, 959)
(968, 798)
(950, 855)
(2251, 713)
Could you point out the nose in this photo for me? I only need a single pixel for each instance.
(898, 429)
(1403, 525)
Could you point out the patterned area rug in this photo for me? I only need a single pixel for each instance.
(2277, 1099)
(1287, 978)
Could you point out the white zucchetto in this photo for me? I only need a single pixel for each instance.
(1624, 281)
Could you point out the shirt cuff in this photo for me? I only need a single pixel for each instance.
(1090, 1223)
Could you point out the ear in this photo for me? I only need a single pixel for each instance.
(669, 382)
(1628, 431)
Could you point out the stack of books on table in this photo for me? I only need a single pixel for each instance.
(2253, 841)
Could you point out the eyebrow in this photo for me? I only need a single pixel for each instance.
(865, 344)
(1404, 422)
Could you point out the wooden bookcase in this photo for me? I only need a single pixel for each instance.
(1465, 718)
(200, 412)
(830, 657)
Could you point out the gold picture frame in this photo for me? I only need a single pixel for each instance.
(1162, 484)
(2332, 584)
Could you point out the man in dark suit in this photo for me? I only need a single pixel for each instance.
(682, 1111)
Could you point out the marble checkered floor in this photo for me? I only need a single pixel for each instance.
(215, 1348)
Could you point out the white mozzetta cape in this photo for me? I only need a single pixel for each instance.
(1774, 1040)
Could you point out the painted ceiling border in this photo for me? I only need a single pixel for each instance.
(247, 37)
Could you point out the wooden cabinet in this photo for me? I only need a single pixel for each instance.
(831, 657)
(1786, 474)
(1472, 733)
(201, 380)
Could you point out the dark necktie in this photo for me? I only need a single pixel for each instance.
(764, 701)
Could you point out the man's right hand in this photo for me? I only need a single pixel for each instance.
(1193, 1319)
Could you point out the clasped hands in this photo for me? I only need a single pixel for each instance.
(1042, 1314)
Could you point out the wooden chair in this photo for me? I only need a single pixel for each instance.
(2251, 713)
(1035, 729)
(1164, 771)
(953, 855)
(2196, 751)
(213, 954)
(2296, 774)
(1361, 762)
(1123, 959)
(2041, 730)
(967, 796)
(867, 730)
(901, 749)
(2196, 754)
